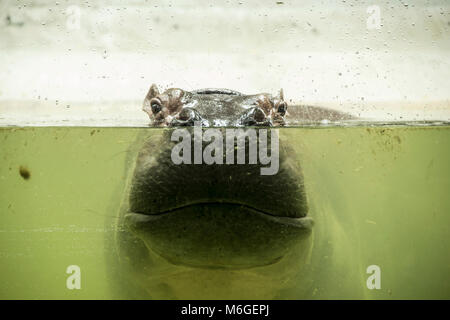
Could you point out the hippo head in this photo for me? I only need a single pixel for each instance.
(215, 205)
(213, 107)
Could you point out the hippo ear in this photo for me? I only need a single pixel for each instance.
(281, 94)
(152, 92)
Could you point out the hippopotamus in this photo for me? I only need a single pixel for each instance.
(217, 107)
(217, 230)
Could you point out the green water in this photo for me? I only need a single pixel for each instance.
(378, 195)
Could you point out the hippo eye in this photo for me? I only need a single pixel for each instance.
(282, 107)
(156, 107)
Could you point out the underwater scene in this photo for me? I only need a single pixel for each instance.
(353, 212)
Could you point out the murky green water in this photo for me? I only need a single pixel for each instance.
(378, 195)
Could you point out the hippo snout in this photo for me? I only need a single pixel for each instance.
(216, 215)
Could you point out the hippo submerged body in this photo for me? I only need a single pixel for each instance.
(219, 230)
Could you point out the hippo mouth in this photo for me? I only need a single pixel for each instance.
(297, 219)
(219, 235)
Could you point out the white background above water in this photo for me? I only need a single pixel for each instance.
(75, 60)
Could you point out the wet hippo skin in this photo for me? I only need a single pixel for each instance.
(211, 230)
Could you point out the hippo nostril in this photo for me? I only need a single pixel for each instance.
(188, 117)
(259, 115)
(186, 114)
(255, 116)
